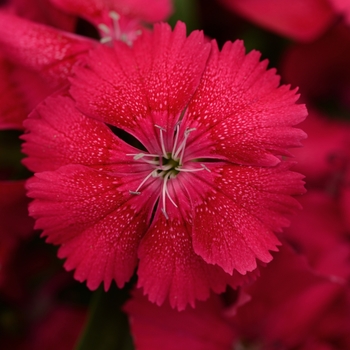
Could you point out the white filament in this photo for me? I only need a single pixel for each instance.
(168, 171)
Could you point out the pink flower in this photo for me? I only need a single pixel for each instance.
(192, 185)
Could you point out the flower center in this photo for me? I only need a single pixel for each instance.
(167, 165)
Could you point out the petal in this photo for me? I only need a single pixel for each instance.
(235, 217)
(343, 8)
(43, 12)
(12, 108)
(302, 20)
(147, 10)
(58, 134)
(147, 84)
(41, 48)
(169, 267)
(321, 69)
(239, 111)
(325, 154)
(94, 10)
(155, 327)
(95, 219)
(296, 287)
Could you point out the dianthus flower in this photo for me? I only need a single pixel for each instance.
(190, 186)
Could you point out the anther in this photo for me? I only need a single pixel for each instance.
(205, 167)
(159, 127)
(137, 156)
(113, 32)
(134, 192)
(114, 15)
(104, 28)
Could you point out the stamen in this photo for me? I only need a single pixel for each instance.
(181, 149)
(165, 214)
(137, 156)
(104, 28)
(165, 155)
(205, 167)
(167, 165)
(114, 15)
(105, 40)
(134, 192)
(177, 128)
(193, 170)
(143, 181)
(113, 32)
(115, 18)
(168, 195)
(165, 193)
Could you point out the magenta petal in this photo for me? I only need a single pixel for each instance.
(169, 268)
(98, 224)
(234, 223)
(42, 11)
(58, 134)
(302, 20)
(12, 108)
(94, 10)
(40, 47)
(204, 327)
(240, 112)
(342, 7)
(152, 82)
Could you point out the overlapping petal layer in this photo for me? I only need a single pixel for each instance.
(94, 10)
(61, 135)
(302, 20)
(143, 87)
(156, 327)
(41, 48)
(98, 225)
(252, 128)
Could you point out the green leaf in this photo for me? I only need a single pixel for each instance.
(107, 327)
